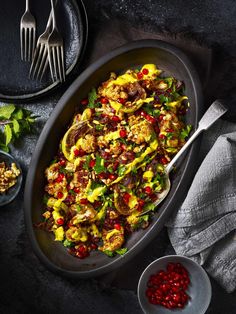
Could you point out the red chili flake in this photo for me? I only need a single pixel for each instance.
(76, 190)
(92, 163)
(62, 162)
(126, 197)
(60, 195)
(162, 136)
(121, 100)
(112, 176)
(104, 100)
(163, 161)
(60, 221)
(115, 119)
(148, 190)
(123, 133)
(145, 71)
(83, 201)
(139, 75)
(84, 102)
(117, 226)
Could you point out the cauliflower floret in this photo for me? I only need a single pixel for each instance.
(88, 143)
(112, 239)
(86, 213)
(52, 172)
(141, 132)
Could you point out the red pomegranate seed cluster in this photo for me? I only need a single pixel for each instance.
(168, 288)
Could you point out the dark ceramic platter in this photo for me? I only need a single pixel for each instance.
(72, 23)
(52, 253)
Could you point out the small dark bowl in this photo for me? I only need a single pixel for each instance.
(10, 194)
(199, 288)
(173, 62)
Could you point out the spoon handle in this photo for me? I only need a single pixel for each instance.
(213, 113)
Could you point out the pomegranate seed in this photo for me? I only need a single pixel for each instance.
(145, 71)
(121, 100)
(104, 100)
(76, 190)
(116, 165)
(102, 175)
(150, 119)
(123, 133)
(60, 221)
(163, 161)
(84, 102)
(143, 114)
(162, 136)
(163, 291)
(126, 197)
(160, 118)
(62, 162)
(94, 246)
(60, 177)
(139, 75)
(169, 130)
(148, 190)
(92, 163)
(112, 176)
(79, 152)
(84, 201)
(60, 195)
(117, 226)
(115, 119)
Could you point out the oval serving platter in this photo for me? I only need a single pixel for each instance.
(53, 254)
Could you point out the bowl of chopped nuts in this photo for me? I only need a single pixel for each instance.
(10, 178)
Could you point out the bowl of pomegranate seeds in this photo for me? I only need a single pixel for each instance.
(174, 283)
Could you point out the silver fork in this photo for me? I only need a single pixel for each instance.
(56, 51)
(27, 34)
(40, 58)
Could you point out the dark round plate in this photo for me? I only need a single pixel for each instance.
(11, 194)
(72, 24)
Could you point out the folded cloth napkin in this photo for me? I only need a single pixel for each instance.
(204, 228)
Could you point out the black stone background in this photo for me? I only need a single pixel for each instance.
(205, 30)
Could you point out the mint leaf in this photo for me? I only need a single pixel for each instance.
(99, 166)
(121, 170)
(16, 127)
(108, 253)
(18, 114)
(4, 147)
(8, 134)
(122, 251)
(6, 111)
(68, 243)
(185, 132)
(92, 96)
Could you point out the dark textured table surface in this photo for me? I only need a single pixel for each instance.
(204, 29)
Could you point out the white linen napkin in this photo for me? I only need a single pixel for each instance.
(204, 228)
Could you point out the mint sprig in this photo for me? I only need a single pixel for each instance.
(14, 123)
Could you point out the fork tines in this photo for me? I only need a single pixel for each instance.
(27, 36)
(56, 60)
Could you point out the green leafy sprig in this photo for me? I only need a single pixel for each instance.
(14, 122)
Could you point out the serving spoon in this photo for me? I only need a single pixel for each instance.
(213, 113)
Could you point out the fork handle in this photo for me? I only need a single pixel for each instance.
(214, 112)
(54, 25)
(27, 5)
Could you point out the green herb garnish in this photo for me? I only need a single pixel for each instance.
(122, 251)
(15, 122)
